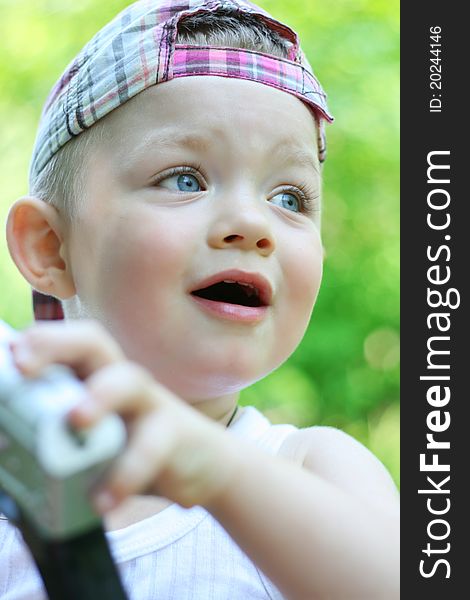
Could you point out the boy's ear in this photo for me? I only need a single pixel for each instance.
(35, 236)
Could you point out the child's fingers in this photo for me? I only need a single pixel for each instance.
(164, 435)
(125, 388)
(139, 466)
(83, 345)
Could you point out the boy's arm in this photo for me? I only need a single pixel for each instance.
(325, 528)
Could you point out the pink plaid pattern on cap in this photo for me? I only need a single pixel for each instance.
(137, 50)
(279, 73)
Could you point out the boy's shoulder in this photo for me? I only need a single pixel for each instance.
(338, 458)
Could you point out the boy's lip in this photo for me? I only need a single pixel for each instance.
(235, 312)
(232, 312)
(258, 281)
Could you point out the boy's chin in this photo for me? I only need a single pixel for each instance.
(220, 387)
(207, 383)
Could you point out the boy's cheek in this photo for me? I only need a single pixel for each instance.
(303, 271)
(300, 289)
(138, 255)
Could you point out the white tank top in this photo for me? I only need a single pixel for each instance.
(177, 554)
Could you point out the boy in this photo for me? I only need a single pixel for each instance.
(175, 212)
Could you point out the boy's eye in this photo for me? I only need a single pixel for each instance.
(185, 183)
(177, 181)
(287, 200)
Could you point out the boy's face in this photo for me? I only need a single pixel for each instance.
(146, 238)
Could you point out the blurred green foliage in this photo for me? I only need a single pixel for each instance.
(346, 371)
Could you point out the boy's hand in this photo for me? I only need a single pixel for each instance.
(173, 450)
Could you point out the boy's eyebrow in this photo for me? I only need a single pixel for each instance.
(193, 141)
(296, 155)
(284, 150)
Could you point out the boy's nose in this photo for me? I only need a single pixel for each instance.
(248, 231)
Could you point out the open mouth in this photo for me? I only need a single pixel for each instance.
(234, 295)
(231, 292)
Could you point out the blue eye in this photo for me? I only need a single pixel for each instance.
(177, 181)
(187, 183)
(287, 200)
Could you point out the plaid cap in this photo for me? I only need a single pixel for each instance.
(138, 49)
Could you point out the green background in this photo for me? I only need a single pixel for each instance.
(346, 371)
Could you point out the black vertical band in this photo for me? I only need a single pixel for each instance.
(77, 568)
(434, 299)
